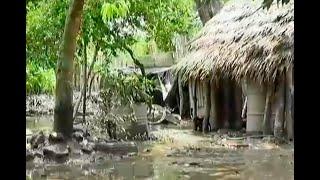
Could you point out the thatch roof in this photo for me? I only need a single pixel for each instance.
(242, 41)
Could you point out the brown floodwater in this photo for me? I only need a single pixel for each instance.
(173, 159)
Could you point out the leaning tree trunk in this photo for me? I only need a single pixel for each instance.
(267, 130)
(91, 68)
(63, 120)
(135, 60)
(207, 103)
(82, 91)
(280, 112)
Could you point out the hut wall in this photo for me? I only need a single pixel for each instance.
(256, 104)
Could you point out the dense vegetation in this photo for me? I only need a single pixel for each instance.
(109, 25)
(112, 27)
(63, 36)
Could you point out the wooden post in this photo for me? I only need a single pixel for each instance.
(194, 113)
(183, 98)
(280, 112)
(289, 104)
(190, 83)
(267, 130)
(219, 103)
(225, 102)
(207, 103)
(214, 104)
(237, 106)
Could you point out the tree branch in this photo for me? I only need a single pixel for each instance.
(135, 61)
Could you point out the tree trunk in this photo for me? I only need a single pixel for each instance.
(267, 130)
(207, 9)
(94, 59)
(280, 113)
(77, 106)
(207, 103)
(135, 60)
(63, 120)
(82, 91)
(90, 83)
(85, 80)
(75, 76)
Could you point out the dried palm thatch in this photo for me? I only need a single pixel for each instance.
(242, 41)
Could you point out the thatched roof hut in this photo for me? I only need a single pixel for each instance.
(243, 41)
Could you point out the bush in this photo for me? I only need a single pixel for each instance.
(121, 91)
(40, 80)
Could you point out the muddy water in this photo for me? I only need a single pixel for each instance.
(175, 158)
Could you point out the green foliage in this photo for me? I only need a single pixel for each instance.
(115, 10)
(165, 18)
(121, 92)
(127, 89)
(161, 19)
(45, 24)
(40, 80)
(141, 48)
(111, 26)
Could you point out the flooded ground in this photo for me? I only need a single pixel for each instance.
(181, 154)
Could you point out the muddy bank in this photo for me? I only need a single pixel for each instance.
(55, 148)
(178, 153)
